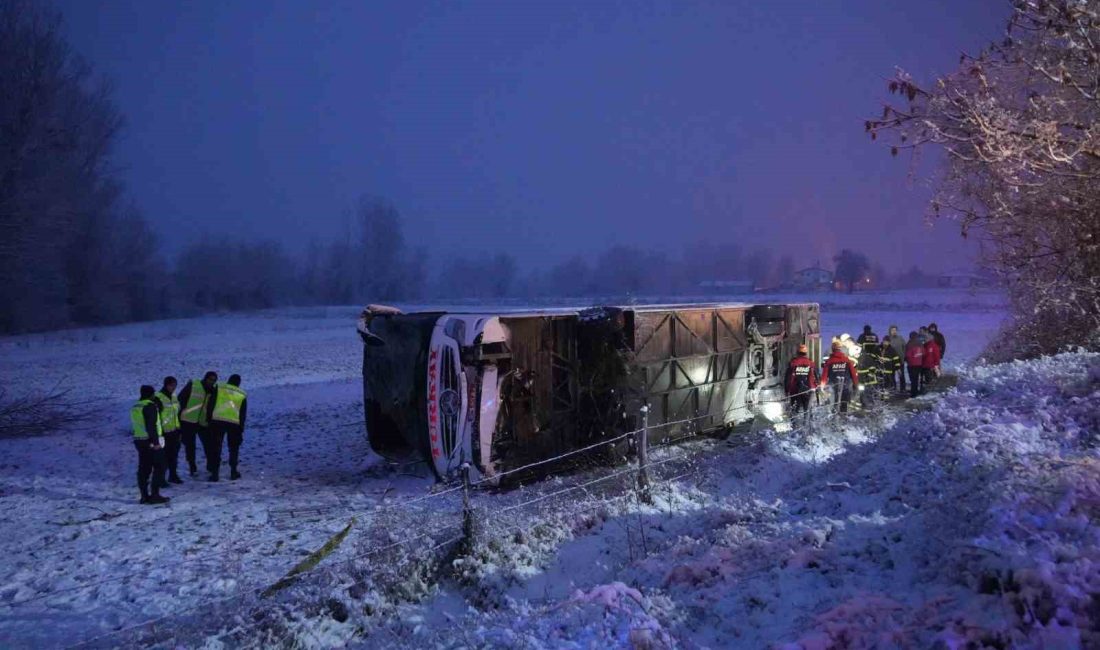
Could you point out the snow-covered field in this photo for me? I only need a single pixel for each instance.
(892, 525)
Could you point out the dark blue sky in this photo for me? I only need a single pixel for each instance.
(546, 128)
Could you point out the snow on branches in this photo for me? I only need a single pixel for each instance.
(1020, 124)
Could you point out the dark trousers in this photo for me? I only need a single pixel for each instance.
(915, 376)
(171, 454)
(188, 433)
(234, 437)
(867, 395)
(150, 466)
(901, 377)
(890, 380)
(800, 404)
(212, 438)
(842, 393)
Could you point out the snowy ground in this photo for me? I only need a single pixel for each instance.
(763, 543)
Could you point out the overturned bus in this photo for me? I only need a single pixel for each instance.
(501, 390)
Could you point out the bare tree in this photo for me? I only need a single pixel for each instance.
(1019, 123)
(381, 250)
(760, 268)
(70, 251)
(851, 268)
(784, 271)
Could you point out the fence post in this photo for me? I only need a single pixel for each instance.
(468, 531)
(643, 458)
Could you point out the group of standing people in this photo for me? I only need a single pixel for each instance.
(163, 422)
(878, 366)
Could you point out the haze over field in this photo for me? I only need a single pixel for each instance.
(541, 129)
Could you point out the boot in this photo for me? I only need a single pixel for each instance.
(157, 499)
(234, 475)
(144, 498)
(175, 478)
(213, 477)
(194, 470)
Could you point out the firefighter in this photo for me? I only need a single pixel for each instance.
(898, 344)
(868, 342)
(914, 359)
(801, 382)
(149, 442)
(169, 408)
(227, 412)
(193, 420)
(890, 365)
(840, 375)
(868, 369)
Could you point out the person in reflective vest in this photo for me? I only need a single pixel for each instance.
(149, 442)
(193, 420)
(227, 413)
(169, 408)
(801, 382)
(868, 341)
(897, 342)
(890, 366)
(868, 370)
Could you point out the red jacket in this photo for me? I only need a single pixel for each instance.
(800, 367)
(914, 354)
(931, 354)
(835, 365)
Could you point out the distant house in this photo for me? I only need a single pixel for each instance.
(726, 286)
(814, 278)
(962, 280)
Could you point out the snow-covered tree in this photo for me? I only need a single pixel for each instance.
(1020, 125)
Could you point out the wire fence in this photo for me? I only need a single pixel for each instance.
(812, 415)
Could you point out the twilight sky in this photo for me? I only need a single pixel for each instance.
(545, 128)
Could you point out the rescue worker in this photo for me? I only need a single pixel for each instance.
(149, 442)
(914, 359)
(801, 382)
(840, 375)
(890, 365)
(941, 341)
(898, 344)
(867, 369)
(931, 359)
(193, 421)
(227, 412)
(169, 408)
(868, 342)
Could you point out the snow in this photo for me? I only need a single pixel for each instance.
(937, 521)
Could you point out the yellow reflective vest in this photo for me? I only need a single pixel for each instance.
(169, 411)
(195, 409)
(228, 401)
(137, 422)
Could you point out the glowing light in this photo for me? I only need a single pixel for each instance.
(773, 411)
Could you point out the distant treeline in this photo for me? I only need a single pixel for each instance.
(75, 251)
